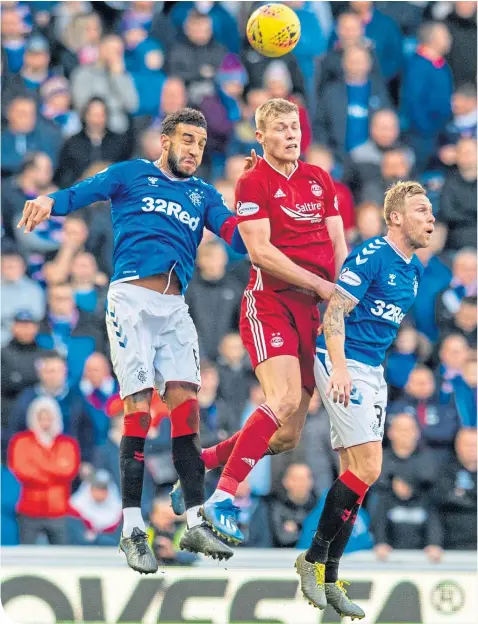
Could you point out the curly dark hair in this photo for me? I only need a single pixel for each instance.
(185, 116)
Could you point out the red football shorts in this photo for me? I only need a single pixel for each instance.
(281, 323)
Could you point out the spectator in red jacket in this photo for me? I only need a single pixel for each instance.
(45, 462)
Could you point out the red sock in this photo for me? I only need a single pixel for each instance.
(251, 445)
(216, 456)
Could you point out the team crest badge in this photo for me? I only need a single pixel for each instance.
(316, 190)
(195, 197)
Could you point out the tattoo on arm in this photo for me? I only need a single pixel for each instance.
(339, 307)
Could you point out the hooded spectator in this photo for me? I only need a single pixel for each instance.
(95, 512)
(45, 462)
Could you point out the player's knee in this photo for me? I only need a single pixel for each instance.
(285, 404)
(369, 470)
(289, 439)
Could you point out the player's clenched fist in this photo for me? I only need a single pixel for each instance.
(340, 386)
(34, 212)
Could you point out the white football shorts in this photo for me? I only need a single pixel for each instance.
(153, 339)
(363, 420)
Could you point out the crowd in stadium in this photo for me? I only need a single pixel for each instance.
(386, 91)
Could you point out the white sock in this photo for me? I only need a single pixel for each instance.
(132, 517)
(219, 496)
(193, 518)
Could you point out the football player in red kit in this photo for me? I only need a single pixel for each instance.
(289, 221)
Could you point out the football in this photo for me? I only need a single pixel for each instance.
(273, 30)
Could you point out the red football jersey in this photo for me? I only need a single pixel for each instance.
(297, 206)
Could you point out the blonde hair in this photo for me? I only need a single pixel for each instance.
(273, 108)
(397, 194)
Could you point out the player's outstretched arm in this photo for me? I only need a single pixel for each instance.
(256, 236)
(340, 382)
(100, 187)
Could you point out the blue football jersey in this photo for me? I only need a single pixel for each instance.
(157, 221)
(384, 283)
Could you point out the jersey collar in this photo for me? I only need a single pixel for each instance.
(283, 174)
(397, 250)
(172, 178)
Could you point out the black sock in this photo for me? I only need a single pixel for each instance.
(131, 470)
(337, 547)
(337, 510)
(186, 452)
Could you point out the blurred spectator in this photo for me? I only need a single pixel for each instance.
(72, 332)
(435, 277)
(95, 512)
(217, 420)
(234, 168)
(426, 90)
(34, 178)
(244, 134)
(464, 388)
(19, 359)
(98, 386)
(24, 134)
(10, 495)
(404, 517)
(253, 518)
(438, 423)
(235, 375)
(322, 157)
(173, 97)
(454, 494)
(164, 535)
(18, 292)
(36, 60)
(214, 298)
(73, 237)
(462, 284)
(150, 144)
(52, 383)
(12, 84)
(89, 286)
(56, 105)
(196, 57)
(384, 136)
(94, 142)
(345, 106)
(458, 198)
(13, 36)
(395, 166)
(53, 462)
(290, 507)
(462, 26)
(454, 352)
(385, 34)
(108, 80)
(403, 357)
(79, 40)
(224, 26)
(349, 33)
(278, 83)
(464, 321)
(369, 222)
(106, 455)
(462, 125)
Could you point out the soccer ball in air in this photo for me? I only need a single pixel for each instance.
(273, 30)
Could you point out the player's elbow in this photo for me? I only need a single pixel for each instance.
(258, 255)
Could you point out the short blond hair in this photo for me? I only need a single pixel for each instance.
(397, 194)
(273, 108)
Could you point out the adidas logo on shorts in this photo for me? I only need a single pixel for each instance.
(279, 193)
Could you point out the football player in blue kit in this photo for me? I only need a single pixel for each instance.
(376, 288)
(159, 210)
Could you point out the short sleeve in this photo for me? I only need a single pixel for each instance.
(251, 199)
(356, 274)
(217, 211)
(331, 200)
